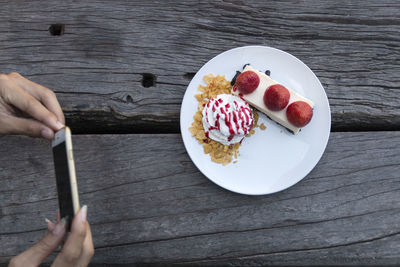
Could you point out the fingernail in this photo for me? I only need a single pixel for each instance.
(47, 133)
(59, 125)
(83, 213)
(59, 227)
(50, 225)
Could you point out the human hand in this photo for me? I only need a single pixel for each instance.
(77, 250)
(28, 108)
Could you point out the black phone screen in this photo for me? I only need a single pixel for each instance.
(63, 183)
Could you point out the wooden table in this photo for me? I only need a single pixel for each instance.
(120, 69)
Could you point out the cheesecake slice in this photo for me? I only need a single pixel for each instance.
(254, 95)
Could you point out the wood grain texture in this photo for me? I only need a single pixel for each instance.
(148, 204)
(96, 66)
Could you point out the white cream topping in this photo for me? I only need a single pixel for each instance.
(256, 99)
(227, 119)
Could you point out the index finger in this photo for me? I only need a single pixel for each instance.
(45, 95)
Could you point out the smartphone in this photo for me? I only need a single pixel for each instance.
(67, 186)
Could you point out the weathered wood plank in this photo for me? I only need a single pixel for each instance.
(149, 204)
(96, 66)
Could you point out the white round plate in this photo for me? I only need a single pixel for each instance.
(270, 160)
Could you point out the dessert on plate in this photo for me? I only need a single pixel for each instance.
(224, 117)
(279, 103)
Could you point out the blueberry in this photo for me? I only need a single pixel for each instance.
(234, 78)
(268, 72)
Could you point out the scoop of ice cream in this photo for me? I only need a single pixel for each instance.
(227, 119)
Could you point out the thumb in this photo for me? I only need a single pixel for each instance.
(41, 250)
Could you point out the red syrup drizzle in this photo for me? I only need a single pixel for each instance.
(235, 121)
(227, 106)
(241, 97)
(228, 123)
(242, 109)
(231, 131)
(236, 105)
(241, 114)
(217, 122)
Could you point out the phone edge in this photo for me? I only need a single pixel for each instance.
(72, 173)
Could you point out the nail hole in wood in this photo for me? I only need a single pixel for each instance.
(57, 29)
(149, 80)
(189, 75)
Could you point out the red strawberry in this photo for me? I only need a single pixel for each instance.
(276, 97)
(247, 82)
(299, 113)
